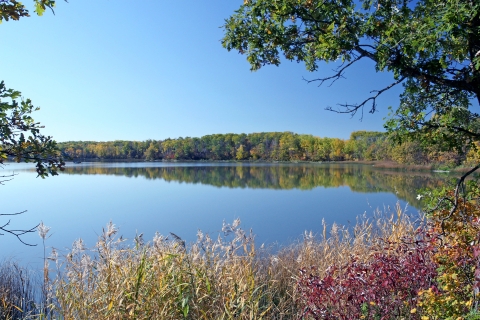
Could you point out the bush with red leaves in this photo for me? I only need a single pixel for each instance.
(385, 287)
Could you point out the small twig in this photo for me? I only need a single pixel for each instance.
(18, 233)
(5, 177)
(339, 73)
(12, 214)
(353, 108)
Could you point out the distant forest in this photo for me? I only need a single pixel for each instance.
(269, 146)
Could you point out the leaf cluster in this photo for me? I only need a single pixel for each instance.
(20, 137)
(14, 10)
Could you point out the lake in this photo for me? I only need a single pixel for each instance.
(279, 201)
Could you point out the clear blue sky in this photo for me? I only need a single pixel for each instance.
(135, 70)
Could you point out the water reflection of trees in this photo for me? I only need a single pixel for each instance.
(359, 178)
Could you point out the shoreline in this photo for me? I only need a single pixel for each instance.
(380, 164)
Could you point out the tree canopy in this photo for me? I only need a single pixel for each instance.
(432, 48)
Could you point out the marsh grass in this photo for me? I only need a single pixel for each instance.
(18, 292)
(214, 278)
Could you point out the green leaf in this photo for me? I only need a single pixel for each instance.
(39, 8)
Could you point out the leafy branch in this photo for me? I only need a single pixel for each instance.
(20, 137)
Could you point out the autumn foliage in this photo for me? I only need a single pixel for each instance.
(384, 287)
(457, 254)
(434, 274)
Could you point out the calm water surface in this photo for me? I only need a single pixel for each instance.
(278, 201)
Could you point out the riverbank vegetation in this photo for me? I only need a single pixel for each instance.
(387, 267)
(214, 278)
(273, 146)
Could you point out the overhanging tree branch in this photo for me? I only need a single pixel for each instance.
(455, 128)
(353, 108)
(339, 73)
(18, 233)
(459, 186)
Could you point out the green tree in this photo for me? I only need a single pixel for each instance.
(337, 153)
(323, 148)
(242, 154)
(431, 47)
(152, 152)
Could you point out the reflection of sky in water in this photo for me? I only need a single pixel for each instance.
(80, 205)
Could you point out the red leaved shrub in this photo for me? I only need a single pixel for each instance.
(386, 286)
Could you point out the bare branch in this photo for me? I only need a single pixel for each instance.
(339, 73)
(12, 214)
(353, 108)
(415, 71)
(7, 178)
(16, 232)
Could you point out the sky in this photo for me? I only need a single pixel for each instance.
(103, 70)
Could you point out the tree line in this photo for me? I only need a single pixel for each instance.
(270, 146)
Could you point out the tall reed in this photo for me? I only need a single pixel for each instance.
(223, 278)
(18, 292)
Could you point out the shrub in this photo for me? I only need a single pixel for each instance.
(455, 222)
(384, 287)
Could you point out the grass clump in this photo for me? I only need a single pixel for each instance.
(164, 279)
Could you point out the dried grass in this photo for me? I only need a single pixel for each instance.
(222, 278)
